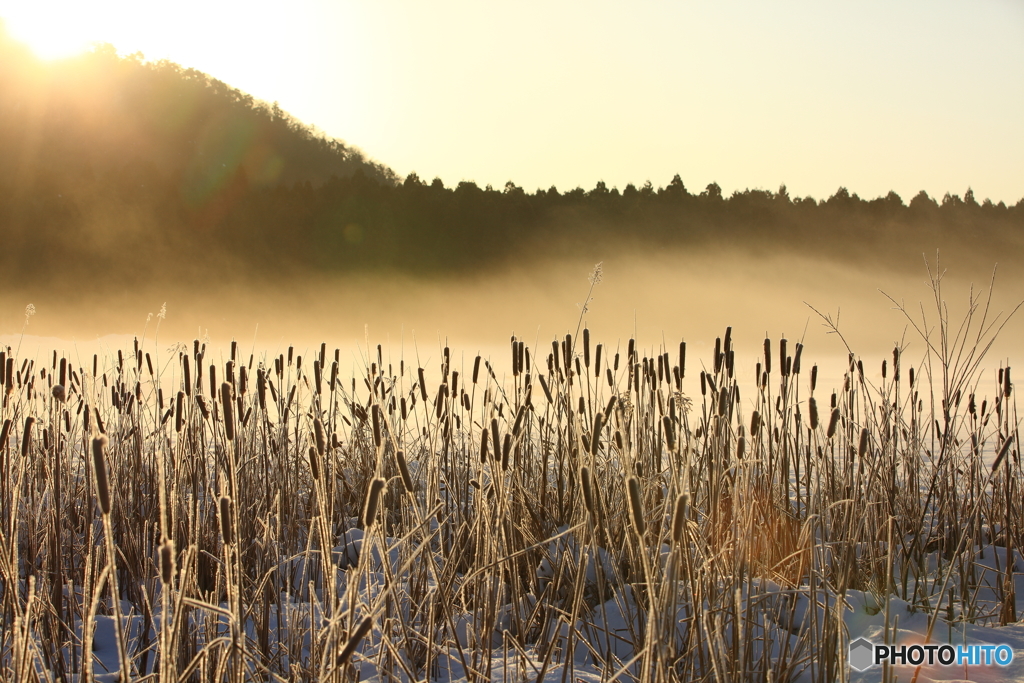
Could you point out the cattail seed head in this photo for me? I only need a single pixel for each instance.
(403, 469)
(588, 491)
(863, 446)
(100, 467)
(26, 438)
(372, 501)
(179, 411)
(636, 505)
(495, 437)
(812, 407)
(225, 519)
(59, 392)
(314, 463)
(321, 438)
(679, 514)
(833, 423)
(670, 433)
(227, 403)
(167, 562)
(261, 387)
(378, 436)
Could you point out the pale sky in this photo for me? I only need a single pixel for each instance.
(871, 95)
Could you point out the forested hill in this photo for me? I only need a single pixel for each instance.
(116, 169)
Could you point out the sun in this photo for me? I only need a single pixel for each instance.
(52, 30)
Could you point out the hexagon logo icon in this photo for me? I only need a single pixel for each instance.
(861, 654)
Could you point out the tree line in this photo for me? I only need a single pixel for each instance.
(116, 168)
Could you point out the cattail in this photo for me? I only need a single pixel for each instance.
(755, 422)
(59, 392)
(5, 434)
(495, 438)
(595, 439)
(316, 376)
(679, 513)
(423, 385)
(1002, 453)
(506, 448)
(635, 505)
(167, 561)
(353, 642)
(812, 407)
(544, 386)
(202, 406)
(26, 438)
(321, 439)
(314, 463)
(670, 432)
(519, 420)
(588, 491)
(862, 447)
(1006, 382)
(403, 469)
(261, 387)
(586, 347)
(227, 403)
(372, 501)
(832, 423)
(179, 411)
(768, 356)
(100, 466)
(483, 445)
(186, 374)
(378, 437)
(225, 519)
(796, 358)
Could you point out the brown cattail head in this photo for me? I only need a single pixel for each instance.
(372, 501)
(321, 438)
(26, 437)
(378, 436)
(59, 392)
(179, 411)
(314, 463)
(670, 433)
(403, 469)
(812, 407)
(227, 403)
(167, 562)
(588, 491)
(833, 423)
(100, 467)
(225, 519)
(863, 446)
(5, 434)
(636, 508)
(679, 514)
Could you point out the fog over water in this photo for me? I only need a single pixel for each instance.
(659, 299)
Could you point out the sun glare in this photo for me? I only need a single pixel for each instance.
(48, 30)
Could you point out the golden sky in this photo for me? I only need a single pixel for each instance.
(872, 95)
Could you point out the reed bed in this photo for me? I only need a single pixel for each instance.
(595, 512)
